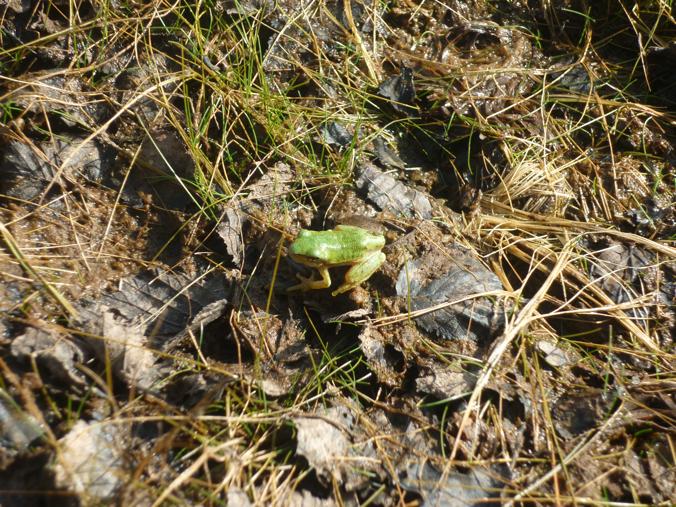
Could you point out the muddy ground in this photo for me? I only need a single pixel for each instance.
(516, 346)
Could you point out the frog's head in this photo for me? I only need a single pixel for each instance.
(308, 249)
(307, 260)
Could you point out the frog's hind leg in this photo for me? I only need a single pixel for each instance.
(307, 283)
(361, 272)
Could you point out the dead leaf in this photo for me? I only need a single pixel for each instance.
(90, 460)
(230, 230)
(392, 195)
(329, 444)
(127, 347)
(451, 275)
(554, 355)
(386, 367)
(17, 429)
(28, 169)
(334, 134)
(56, 353)
(445, 381)
(387, 156)
(452, 489)
(323, 444)
(400, 91)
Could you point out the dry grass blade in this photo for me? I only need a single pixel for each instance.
(21, 259)
(206, 454)
(513, 327)
(577, 450)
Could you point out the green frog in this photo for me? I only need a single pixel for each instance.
(346, 245)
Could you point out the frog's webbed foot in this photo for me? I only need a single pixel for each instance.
(307, 283)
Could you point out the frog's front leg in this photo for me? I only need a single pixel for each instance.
(307, 283)
(361, 272)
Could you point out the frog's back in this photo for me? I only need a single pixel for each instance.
(343, 244)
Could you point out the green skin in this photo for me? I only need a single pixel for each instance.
(346, 245)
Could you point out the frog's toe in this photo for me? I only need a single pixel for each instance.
(304, 281)
(307, 283)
